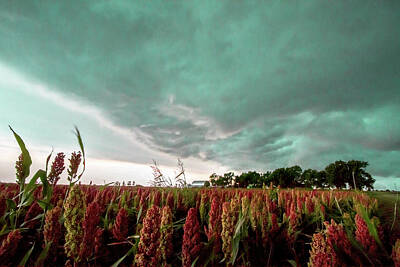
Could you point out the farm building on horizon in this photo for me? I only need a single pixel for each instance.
(198, 183)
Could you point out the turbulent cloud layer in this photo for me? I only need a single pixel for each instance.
(246, 84)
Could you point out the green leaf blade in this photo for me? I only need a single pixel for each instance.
(26, 257)
(27, 160)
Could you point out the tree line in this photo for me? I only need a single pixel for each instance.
(340, 174)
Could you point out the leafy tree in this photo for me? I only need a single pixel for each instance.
(251, 178)
(321, 180)
(243, 180)
(309, 178)
(263, 180)
(294, 174)
(352, 174)
(313, 178)
(286, 177)
(225, 180)
(215, 179)
(340, 174)
(337, 173)
(277, 177)
(360, 178)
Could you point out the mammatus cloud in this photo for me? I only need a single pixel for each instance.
(248, 85)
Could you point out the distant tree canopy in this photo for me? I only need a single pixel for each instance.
(351, 173)
(340, 174)
(286, 177)
(251, 178)
(224, 180)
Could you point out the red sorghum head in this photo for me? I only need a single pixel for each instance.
(191, 245)
(157, 198)
(363, 236)
(9, 247)
(120, 229)
(98, 241)
(3, 204)
(148, 253)
(170, 200)
(89, 225)
(57, 167)
(214, 224)
(74, 163)
(336, 237)
(33, 211)
(321, 255)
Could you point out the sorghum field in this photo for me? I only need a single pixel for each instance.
(46, 224)
(102, 226)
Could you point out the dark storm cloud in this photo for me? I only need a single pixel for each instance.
(250, 84)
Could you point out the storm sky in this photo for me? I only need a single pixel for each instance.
(223, 85)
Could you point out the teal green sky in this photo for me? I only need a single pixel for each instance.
(224, 85)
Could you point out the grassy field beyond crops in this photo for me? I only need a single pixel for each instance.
(386, 208)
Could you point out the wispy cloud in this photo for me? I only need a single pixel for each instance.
(124, 139)
(69, 102)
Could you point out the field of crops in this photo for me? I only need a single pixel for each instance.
(47, 224)
(135, 226)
